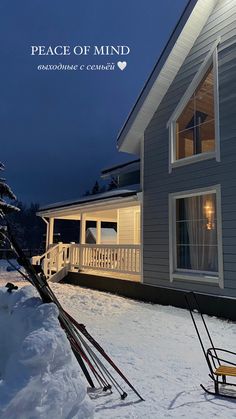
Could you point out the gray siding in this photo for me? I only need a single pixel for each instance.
(158, 183)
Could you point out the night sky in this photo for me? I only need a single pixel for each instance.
(59, 128)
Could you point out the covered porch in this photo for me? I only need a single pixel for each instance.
(108, 237)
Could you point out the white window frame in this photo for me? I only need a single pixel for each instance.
(188, 274)
(211, 59)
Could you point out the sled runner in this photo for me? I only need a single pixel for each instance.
(221, 362)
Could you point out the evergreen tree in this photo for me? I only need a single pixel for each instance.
(113, 184)
(6, 194)
(96, 188)
(27, 227)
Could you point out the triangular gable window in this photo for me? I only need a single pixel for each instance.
(195, 127)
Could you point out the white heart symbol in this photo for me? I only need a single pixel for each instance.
(122, 65)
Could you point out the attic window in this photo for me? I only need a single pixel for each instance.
(195, 128)
(194, 124)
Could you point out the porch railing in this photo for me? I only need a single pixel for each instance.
(114, 258)
(117, 258)
(52, 261)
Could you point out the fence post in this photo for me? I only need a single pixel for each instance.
(72, 253)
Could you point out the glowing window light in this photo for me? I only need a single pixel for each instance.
(210, 215)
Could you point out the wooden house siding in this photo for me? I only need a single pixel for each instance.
(127, 225)
(158, 183)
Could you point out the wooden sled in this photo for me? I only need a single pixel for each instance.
(221, 362)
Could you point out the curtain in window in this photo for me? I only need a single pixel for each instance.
(196, 233)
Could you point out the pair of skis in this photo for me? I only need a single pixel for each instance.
(86, 349)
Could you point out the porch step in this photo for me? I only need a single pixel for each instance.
(60, 275)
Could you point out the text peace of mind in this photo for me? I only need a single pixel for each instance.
(80, 50)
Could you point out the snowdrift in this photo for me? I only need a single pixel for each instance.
(39, 375)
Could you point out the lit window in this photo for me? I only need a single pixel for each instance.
(194, 132)
(195, 127)
(195, 235)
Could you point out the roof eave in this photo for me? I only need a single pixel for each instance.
(91, 205)
(191, 22)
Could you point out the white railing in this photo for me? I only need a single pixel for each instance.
(52, 261)
(117, 258)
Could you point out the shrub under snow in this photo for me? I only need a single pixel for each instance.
(39, 375)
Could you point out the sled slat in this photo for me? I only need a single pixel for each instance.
(226, 370)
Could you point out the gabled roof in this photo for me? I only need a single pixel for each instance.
(178, 47)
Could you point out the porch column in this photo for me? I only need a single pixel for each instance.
(98, 235)
(50, 233)
(47, 233)
(82, 238)
(82, 228)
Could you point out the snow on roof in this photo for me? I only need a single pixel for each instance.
(108, 235)
(114, 193)
(106, 232)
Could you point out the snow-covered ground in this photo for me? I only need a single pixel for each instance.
(156, 347)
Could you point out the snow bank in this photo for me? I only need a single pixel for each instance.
(39, 375)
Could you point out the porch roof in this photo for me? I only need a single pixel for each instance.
(82, 203)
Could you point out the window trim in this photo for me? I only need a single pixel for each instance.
(191, 275)
(211, 59)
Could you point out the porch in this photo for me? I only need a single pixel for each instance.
(118, 261)
(108, 245)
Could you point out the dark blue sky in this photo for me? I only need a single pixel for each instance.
(59, 129)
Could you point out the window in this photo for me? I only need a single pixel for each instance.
(194, 131)
(195, 127)
(196, 236)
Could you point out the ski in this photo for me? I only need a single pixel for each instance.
(89, 361)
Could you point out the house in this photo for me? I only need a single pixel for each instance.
(183, 129)
(109, 230)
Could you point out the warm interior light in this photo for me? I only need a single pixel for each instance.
(209, 213)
